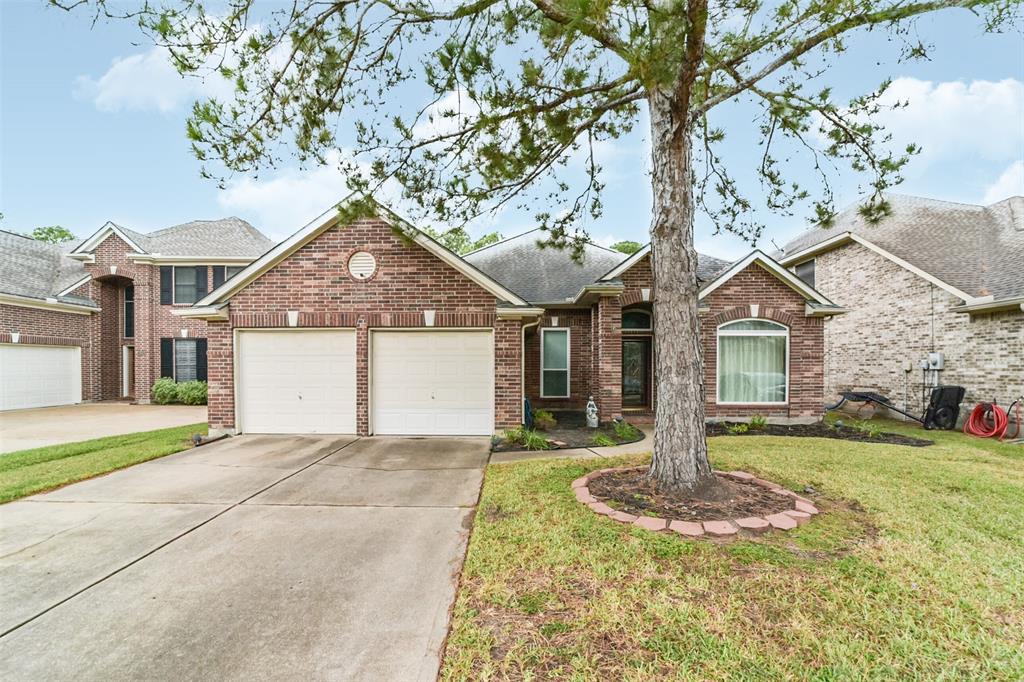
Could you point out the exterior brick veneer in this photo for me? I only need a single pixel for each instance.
(49, 328)
(314, 281)
(802, 511)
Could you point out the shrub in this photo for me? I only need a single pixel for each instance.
(872, 429)
(602, 441)
(544, 420)
(625, 430)
(758, 422)
(737, 429)
(192, 392)
(165, 391)
(531, 440)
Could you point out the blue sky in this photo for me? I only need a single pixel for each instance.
(92, 129)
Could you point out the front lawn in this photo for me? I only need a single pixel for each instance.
(915, 570)
(32, 471)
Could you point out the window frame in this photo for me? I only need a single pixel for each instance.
(642, 311)
(783, 330)
(229, 268)
(124, 312)
(568, 362)
(174, 285)
(174, 359)
(814, 272)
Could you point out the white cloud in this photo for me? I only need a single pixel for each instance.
(147, 82)
(1009, 184)
(954, 119)
(448, 115)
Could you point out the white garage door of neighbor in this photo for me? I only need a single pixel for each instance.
(39, 376)
(436, 383)
(297, 381)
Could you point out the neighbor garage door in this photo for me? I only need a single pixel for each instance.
(432, 383)
(39, 376)
(297, 381)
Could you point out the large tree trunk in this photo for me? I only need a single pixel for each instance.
(680, 458)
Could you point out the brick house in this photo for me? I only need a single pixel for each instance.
(95, 322)
(372, 327)
(934, 277)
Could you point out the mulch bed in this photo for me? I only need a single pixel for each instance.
(572, 432)
(630, 490)
(821, 430)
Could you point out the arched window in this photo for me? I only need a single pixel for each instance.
(637, 320)
(753, 363)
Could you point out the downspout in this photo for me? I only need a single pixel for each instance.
(522, 363)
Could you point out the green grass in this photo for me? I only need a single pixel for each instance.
(32, 471)
(915, 570)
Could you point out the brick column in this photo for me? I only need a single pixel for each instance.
(221, 374)
(147, 340)
(607, 344)
(92, 347)
(508, 375)
(362, 377)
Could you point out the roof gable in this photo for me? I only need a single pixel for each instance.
(708, 267)
(773, 267)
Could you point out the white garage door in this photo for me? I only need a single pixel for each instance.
(432, 383)
(39, 376)
(297, 381)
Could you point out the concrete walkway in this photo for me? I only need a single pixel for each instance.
(640, 447)
(257, 557)
(36, 428)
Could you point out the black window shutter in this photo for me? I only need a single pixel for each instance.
(218, 275)
(166, 284)
(201, 272)
(201, 359)
(167, 358)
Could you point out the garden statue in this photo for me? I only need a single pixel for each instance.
(591, 413)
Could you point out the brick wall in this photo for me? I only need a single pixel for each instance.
(408, 280)
(897, 317)
(580, 370)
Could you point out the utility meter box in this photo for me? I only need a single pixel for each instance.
(936, 361)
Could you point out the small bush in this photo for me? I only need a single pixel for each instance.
(602, 441)
(192, 392)
(531, 440)
(625, 431)
(737, 429)
(165, 391)
(758, 422)
(872, 429)
(543, 420)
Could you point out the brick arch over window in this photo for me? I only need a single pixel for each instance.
(746, 312)
(634, 296)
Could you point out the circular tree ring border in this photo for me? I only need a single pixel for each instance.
(802, 511)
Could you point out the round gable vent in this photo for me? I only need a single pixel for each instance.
(362, 265)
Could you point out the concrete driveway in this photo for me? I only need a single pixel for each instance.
(36, 428)
(257, 557)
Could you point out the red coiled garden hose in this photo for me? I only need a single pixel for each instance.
(988, 420)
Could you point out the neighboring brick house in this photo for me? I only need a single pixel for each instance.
(373, 327)
(933, 277)
(94, 322)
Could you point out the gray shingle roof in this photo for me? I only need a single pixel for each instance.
(36, 269)
(548, 275)
(977, 249)
(204, 239)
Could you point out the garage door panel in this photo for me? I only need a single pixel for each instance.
(39, 376)
(432, 383)
(293, 381)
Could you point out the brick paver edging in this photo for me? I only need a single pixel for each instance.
(802, 511)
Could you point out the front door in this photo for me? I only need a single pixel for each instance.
(636, 371)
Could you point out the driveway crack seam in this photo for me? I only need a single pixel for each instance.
(165, 544)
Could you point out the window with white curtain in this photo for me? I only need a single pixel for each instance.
(753, 362)
(554, 363)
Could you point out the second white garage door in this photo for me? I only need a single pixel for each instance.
(39, 376)
(297, 381)
(432, 383)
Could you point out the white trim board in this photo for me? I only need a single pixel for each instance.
(46, 304)
(626, 264)
(99, 235)
(772, 266)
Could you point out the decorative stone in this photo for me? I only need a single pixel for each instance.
(623, 517)
(766, 484)
(601, 508)
(650, 523)
(584, 496)
(740, 476)
(755, 524)
(581, 482)
(800, 517)
(806, 507)
(687, 528)
(781, 521)
(720, 528)
(559, 444)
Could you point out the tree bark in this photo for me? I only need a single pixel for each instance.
(680, 458)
